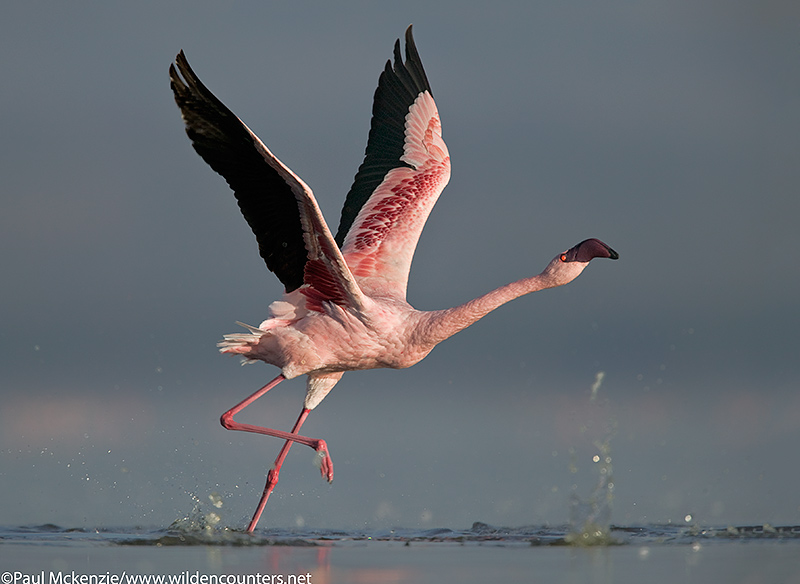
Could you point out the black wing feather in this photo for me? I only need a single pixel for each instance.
(264, 197)
(398, 87)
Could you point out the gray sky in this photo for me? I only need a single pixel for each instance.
(668, 129)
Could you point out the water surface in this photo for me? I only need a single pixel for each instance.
(49, 554)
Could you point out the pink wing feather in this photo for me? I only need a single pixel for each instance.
(380, 245)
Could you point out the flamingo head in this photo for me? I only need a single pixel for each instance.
(567, 266)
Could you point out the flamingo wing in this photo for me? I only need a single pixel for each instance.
(405, 168)
(293, 238)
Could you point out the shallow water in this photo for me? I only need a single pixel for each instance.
(49, 554)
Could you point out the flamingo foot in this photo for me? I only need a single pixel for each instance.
(323, 461)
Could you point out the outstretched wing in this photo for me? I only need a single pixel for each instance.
(280, 208)
(405, 168)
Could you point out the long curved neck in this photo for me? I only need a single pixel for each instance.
(442, 324)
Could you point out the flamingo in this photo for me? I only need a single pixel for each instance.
(344, 306)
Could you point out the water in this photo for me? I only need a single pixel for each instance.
(192, 553)
(199, 549)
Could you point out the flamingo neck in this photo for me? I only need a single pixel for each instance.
(443, 324)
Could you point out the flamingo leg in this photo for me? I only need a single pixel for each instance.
(275, 471)
(326, 464)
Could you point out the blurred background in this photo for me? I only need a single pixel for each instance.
(670, 130)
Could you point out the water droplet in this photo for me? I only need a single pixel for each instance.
(212, 519)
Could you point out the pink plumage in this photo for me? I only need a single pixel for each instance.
(344, 307)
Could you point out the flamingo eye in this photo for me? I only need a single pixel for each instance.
(563, 257)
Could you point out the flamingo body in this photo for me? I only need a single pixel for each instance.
(382, 334)
(344, 306)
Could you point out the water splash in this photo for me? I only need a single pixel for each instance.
(201, 519)
(598, 381)
(590, 520)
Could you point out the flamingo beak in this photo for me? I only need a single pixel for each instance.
(587, 250)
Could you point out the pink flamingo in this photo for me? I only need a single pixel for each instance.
(344, 306)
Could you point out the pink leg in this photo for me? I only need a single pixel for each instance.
(326, 465)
